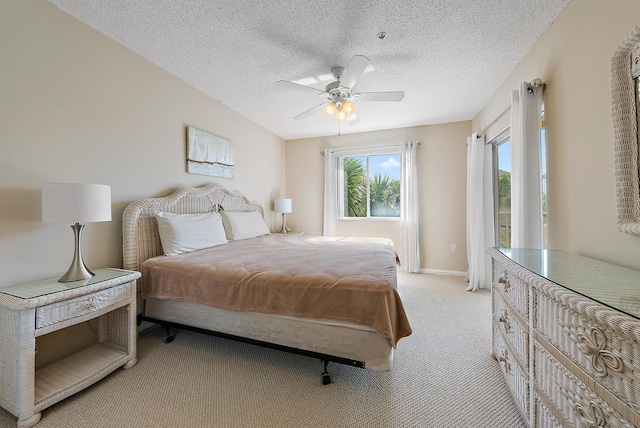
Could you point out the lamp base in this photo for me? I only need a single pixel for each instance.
(284, 229)
(78, 270)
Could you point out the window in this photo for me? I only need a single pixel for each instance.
(370, 186)
(502, 191)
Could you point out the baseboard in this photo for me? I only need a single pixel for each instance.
(443, 272)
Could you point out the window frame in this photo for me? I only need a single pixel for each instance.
(499, 139)
(367, 152)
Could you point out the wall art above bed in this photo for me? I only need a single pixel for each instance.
(208, 154)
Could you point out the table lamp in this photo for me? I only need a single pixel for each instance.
(283, 206)
(76, 203)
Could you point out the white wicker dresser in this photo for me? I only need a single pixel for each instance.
(32, 310)
(566, 331)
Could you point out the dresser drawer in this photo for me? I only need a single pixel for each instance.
(543, 416)
(511, 328)
(69, 309)
(612, 358)
(517, 380)
(512, 288)
(571, 397)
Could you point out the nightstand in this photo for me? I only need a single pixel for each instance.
(31, 310)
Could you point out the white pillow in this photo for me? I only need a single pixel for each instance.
(243, 225)
(181, 233)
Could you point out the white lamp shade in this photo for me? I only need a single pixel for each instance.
(283, 205)
(75, 203)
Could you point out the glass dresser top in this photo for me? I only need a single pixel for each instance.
(50, 286)
(611, 285)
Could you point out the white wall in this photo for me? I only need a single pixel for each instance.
(573, 59)
(76, 106)
(442, 189)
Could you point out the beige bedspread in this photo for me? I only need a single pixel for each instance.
(339, 279)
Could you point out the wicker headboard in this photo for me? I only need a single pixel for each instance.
(140, 238)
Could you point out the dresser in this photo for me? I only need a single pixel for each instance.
(566, 333)
(29, 311)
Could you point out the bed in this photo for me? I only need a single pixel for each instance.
(331, 298)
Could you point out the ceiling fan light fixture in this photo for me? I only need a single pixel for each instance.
(328, 109)
(348, 107)
(341, 114)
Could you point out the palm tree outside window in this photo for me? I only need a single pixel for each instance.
(371, 186)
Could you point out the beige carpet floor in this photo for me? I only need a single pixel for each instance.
(444, 376)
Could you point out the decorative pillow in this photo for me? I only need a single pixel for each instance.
(181, 233)
(243, 225)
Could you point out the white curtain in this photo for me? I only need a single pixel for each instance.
(526, 169)
(330, 193)
(480, 212)
(409, 208)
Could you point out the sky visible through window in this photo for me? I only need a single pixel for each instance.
(504, 157)
(385, 165)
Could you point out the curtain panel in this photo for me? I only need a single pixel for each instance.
(409, 208)
(526, 167)
(330, 192)
(480, 212)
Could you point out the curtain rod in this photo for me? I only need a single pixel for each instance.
(535, 83)
(367, 148)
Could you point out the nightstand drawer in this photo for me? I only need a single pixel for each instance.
(63, 311)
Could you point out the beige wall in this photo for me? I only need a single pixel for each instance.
(573, 58)
(442, 188)
(77, 107)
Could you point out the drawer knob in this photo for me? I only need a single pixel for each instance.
(592, 415)
(594, 345)
(504, 279)
(504, 358)
(504, 319)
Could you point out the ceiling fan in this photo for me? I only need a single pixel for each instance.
(338, 95)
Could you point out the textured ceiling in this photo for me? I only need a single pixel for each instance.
(448, 56)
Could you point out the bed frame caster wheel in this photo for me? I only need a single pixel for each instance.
(326, 379)
(170, 336)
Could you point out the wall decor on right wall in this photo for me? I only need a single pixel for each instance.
(625, 99)
(208, 154)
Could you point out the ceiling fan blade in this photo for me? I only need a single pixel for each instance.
(308, 113)
(290, 85)
(381, 96)
(356, 67)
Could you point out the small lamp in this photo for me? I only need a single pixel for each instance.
(283, 206)
(76, 203)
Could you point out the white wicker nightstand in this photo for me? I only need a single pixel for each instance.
(31, 310)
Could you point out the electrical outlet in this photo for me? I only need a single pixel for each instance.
(454, 248)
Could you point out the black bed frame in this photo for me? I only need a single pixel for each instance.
(326, 359)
